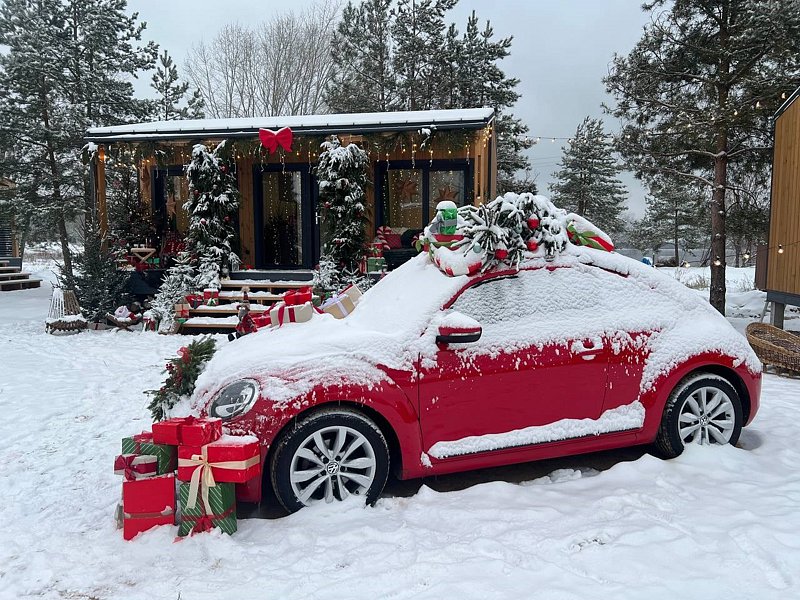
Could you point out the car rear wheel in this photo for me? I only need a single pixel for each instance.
(703, 409)
(330, 456)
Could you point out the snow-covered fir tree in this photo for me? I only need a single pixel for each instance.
(588, 182)
(697, 93)
(179, 281)
(342, 175)
(171, 92)
(211, 206)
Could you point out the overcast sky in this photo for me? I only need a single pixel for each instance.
(561, 51)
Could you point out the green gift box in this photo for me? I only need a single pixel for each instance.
(376, 264)
(222, 513)
(142, 443)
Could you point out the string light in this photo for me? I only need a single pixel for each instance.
(717, 262)
(746, 256)
(780, 248)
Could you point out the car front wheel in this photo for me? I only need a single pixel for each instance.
(330, 456)
(703, 409)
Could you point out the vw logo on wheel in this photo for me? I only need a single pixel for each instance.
(332, 468)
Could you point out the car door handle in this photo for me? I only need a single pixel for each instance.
(587, 349)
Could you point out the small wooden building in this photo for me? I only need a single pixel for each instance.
(417, 159)
(778, 265)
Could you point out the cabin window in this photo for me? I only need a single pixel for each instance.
(410, 192)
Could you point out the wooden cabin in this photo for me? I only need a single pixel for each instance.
(416, 159)
(778, 265)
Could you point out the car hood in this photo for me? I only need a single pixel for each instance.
(387, 329)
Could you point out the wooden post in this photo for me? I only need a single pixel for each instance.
(776, 314)
(100, 191)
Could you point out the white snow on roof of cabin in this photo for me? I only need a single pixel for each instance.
(415, 118)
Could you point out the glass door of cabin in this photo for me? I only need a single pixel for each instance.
(284, 224)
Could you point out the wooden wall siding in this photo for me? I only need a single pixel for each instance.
(783, 270)
(244, 172)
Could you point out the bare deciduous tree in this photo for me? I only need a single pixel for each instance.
(279, 67)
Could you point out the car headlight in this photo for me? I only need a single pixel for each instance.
(234, 400)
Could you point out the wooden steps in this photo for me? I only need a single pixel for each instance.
(12, 278)
(263, 293)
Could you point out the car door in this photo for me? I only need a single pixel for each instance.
(521, 373)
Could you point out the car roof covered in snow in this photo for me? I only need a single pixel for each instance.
(355, 123)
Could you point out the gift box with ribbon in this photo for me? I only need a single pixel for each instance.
(230, 459)
(375, 265)
(203, 511)
(191, 431)
(282, 313)
(142, 443)
(298, 296)
(194, 300)
(211, 297)
(353, 292)
(147, 503)
(376, 250)
(339, 306)
(136, 466)
(182, 310)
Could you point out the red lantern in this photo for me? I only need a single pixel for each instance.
(501, 254)
(533, 245)
(533, 223)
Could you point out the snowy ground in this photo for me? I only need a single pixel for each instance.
(715, 523)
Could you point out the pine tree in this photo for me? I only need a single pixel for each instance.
(171, 92)
(588, 182)
(128, 221)
(99, 286)
(342, 175)
(418, 32)
(675, 213)
(212, 204)
(68, 66)
(697, 92)
(179, 281)
(363, 78)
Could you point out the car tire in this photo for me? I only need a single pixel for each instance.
(328, 456)
(704, 409)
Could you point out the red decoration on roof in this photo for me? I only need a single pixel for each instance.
(271, 140)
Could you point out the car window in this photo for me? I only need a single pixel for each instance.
(540, 304)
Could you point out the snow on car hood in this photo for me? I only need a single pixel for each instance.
(291, 359)
(390, 328)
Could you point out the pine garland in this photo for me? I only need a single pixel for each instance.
(182, 372)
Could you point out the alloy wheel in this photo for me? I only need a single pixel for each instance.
(332, 464)
(707, 417)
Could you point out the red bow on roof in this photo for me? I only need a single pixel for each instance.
(272, 139)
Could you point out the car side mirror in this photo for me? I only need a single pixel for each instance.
(458, 328)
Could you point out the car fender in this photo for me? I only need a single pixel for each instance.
(655, 398)
(384, 402)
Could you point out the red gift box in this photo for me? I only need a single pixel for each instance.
(147, 503)
(192, 431)
(262, 320)
(230, 459)
(194, 300)
(136, 466)
(298, 296)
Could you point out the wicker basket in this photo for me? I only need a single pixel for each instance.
(774, 346)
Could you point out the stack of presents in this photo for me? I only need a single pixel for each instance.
(296, 306)
(193, 453)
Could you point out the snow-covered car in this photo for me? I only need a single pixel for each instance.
(435, 374)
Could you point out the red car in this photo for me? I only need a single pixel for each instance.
(434, 374)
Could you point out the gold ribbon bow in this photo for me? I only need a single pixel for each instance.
(203, 476)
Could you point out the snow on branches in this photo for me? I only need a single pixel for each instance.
(212, 205)
(506, 231)
(342, 175)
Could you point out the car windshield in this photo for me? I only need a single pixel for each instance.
(406, 298)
